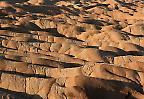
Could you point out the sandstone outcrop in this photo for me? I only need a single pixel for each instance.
(71, 49)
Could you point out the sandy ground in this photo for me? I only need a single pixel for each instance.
(71, 49)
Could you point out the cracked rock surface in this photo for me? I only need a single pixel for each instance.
(71, 49)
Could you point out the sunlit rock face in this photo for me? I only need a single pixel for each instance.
(71, 49)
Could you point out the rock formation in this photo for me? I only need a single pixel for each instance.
(71, 49)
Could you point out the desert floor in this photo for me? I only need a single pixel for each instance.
(71, 49)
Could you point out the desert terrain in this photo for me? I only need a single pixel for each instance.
(71, 49)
